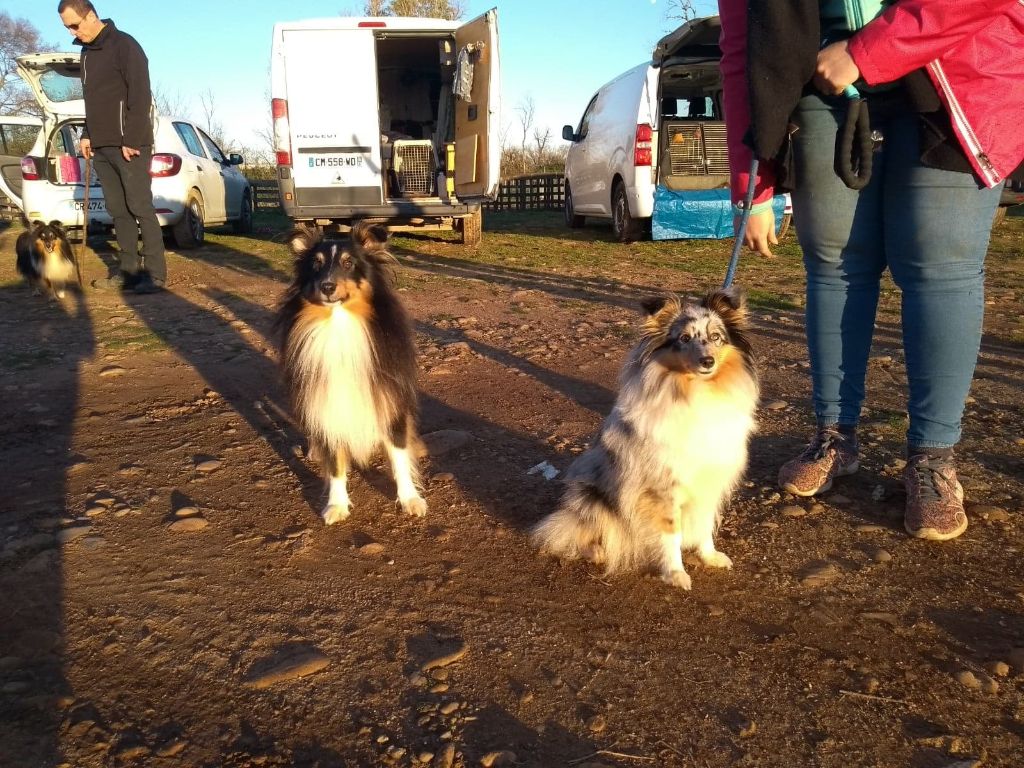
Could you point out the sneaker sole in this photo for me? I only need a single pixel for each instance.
(930, 534)
(849, 469)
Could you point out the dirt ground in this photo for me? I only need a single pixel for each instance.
(169, 596)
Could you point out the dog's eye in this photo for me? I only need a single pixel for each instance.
(346, 263)
(716, 337)
(686, 338)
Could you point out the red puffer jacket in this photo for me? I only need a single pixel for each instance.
(971, 49)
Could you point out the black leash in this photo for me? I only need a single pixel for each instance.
(855, 144)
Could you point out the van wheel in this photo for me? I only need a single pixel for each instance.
(572, 221)
(787, 220)
(625, 228)
(190, 231)
(243, 224)
(472, 228)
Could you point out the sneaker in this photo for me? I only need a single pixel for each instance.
(829, 455)
(148, 284)
(935, 499)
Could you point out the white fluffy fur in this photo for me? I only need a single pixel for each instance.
(335, 357)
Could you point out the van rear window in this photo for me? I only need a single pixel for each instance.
(58, 87)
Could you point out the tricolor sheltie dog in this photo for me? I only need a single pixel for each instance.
(349, 361)
(44, 257)
(671, 451)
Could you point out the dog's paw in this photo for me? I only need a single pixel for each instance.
(335, 513)
(679, 579)
(416, 506)
(593, 552)
(716, 559)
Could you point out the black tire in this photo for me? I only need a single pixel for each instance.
(472, 228)
(625, 228)
(1000, 216)
(787, 221)
(190, 231)
(572, 221)
(243, 224)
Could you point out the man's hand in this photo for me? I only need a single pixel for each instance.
(835, 69)
(128, 153)
(86, 146)
(760, 233)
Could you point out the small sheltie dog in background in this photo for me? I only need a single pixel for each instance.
(673, 448)
(349, 361)
(44, 257)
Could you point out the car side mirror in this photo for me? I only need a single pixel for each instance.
(568, 133)
(235, 159)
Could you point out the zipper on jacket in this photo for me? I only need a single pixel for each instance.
(120, 117)
(963, 127)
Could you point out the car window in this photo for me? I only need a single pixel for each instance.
(60, 87)
(190, 138)
(581, 132)
(213, 149)
(17, 140)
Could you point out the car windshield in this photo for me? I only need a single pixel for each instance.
(59, 87)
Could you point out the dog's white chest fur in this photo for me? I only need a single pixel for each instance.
(334, 356)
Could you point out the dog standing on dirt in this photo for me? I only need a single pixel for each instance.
(673, 448)
(349, 361)
(44, 257)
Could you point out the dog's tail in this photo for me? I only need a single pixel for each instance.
(587, 527)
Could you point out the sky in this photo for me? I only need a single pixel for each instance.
(555, 52)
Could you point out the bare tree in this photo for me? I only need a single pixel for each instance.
(169, 103)
(214, 128)
(434, 9)
(17, 37)
(526, 109)
(680, 10)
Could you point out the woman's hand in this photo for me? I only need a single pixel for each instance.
(760, 233)
(835, 69)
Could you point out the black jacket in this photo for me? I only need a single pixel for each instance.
(118, 99)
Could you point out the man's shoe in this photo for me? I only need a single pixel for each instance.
(935, 499)
(148, 284)
(829, 455)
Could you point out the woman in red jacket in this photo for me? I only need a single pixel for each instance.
(946, 138)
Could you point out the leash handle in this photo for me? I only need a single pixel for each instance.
(748, 202)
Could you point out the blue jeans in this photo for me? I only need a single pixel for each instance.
(931, 229)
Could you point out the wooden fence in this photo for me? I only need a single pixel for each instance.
(542, 192)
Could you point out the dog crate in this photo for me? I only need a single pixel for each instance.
(696, 149)
(415, 167)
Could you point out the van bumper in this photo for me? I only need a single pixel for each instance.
(641, 195)
(389, 209)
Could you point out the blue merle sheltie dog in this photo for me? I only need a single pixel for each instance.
(349, 361)
(44, 257)
(673, 448)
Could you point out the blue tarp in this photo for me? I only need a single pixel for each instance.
(697, 214)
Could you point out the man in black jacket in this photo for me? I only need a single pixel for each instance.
(119, 137)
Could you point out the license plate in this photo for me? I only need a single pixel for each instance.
(94, 205)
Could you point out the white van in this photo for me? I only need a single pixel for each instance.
(393, 119)
(658, 124)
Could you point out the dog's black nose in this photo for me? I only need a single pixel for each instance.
(327, 288)
(707, 362)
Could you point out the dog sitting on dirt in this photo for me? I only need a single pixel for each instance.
(349, 361)
(673, 448)
(44, 257)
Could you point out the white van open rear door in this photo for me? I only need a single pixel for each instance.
(331, 82)
(477, 143)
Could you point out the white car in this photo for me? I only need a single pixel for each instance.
(194, 183)
(657, 125)
(17, 135)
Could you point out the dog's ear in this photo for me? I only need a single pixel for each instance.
(57, 227)
(38, 226)
(302, 239)
(369, 235)
(652, 305)
(727, 301)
